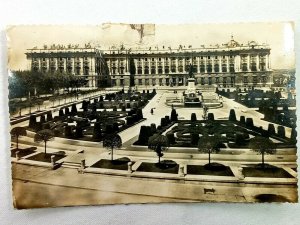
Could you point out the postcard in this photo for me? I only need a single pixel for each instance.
(152, 113)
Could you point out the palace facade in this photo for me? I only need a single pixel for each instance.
(227, 65)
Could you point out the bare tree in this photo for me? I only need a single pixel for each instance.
(209, 144)
(16, 132)
(112, 141)
(158, 143)
(262, 145)
(44, 136)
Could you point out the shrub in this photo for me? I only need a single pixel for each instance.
(153, 128)
(294, 135)
(109, 128)
(61, 112)
(129, 120)
(210, 117)
(145, 133)
(249, 122)
(271, 129)
(174, 116)
(139, 113)
(42, 119)
(239, 138)
(194, 138)
(163, 122)
(97, 131)
(193, 117)
(232, 116)
(32, 121)
(68, 132)
(167, 119)
(79, 132)
(171, 138)
(115, 127)
(281, 131)
(67, 111)
(242, 119)
(45, 126)
(49, 116)
(73, 109)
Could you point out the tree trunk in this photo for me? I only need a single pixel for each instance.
(112, 154)
(45, 146)
(18, 142)
(209, 158)
(263, 159)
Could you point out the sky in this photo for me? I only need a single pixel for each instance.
(280, 37)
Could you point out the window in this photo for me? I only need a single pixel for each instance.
(208, 57)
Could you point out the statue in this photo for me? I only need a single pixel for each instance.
(191, 74)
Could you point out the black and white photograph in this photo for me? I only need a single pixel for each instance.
(121, 113)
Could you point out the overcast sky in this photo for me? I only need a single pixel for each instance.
(280, 37)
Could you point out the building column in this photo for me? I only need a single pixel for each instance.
(213, 65)
(135, 65)
(257, 63)
(156, 66)
(73, 66)
(227, 64)
(126, 65)
(267, 62)
(198, 64)
(183, 71)
(65, 64)
(205, 64)
(220, 65)
(163, 65)
(176, 65)
(248, 63)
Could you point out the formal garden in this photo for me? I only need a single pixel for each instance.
(270, 103)
(95, 118)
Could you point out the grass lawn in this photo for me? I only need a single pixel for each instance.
(156, 168)
(22, 152)
(118, 164)
(42, 157)
(268, 171)
(214, 169)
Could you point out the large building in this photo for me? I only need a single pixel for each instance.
(227, 65)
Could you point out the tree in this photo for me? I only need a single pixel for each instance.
(16, 132)
(262, 145)
(44, 136)
(232, 116)
(158, 143)
(209, 144)
(112, 141)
